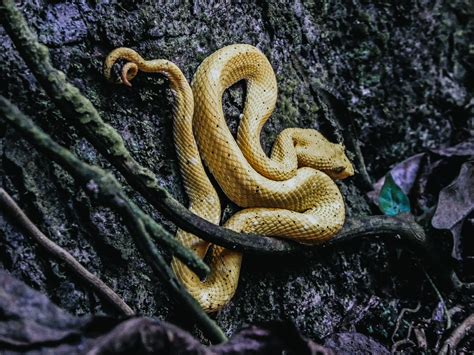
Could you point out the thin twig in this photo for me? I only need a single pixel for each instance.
(450, 345)
(405, 341)
(106, 190)
(343, 120)
(400, 318)
(9, 206)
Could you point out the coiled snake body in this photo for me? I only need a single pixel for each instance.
(290, 194)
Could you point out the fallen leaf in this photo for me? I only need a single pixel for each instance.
(392, 200)
(456, 200)
(455, 204)
(404, 174)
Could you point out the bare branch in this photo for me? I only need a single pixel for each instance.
(9, 206)
(465, 328)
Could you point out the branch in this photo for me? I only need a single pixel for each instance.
(402, 227)
(105, 189)
(466, 327)
(9, 206)
(160, 266)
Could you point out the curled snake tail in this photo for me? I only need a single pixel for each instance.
(121, 53)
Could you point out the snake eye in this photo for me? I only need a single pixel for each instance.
(339, 169)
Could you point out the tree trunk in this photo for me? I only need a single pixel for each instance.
(389, 79)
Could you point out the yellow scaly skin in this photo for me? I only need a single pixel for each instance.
(290, 194)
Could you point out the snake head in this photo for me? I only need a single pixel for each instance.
(340, 167)
(315, 151)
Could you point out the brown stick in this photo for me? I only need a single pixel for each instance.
(449, 346)
(9, 206)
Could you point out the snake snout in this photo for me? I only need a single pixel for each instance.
(348, 171)
(344, 167)
(341, 172)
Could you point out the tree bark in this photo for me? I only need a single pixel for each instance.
(400, 71)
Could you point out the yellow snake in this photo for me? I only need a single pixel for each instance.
(290, 194)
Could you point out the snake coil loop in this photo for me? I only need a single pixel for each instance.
(290, 194)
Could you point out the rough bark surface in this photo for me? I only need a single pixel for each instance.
(400, 69)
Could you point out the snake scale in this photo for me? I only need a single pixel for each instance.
(290, 194)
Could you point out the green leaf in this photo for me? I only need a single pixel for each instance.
(392, 200)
